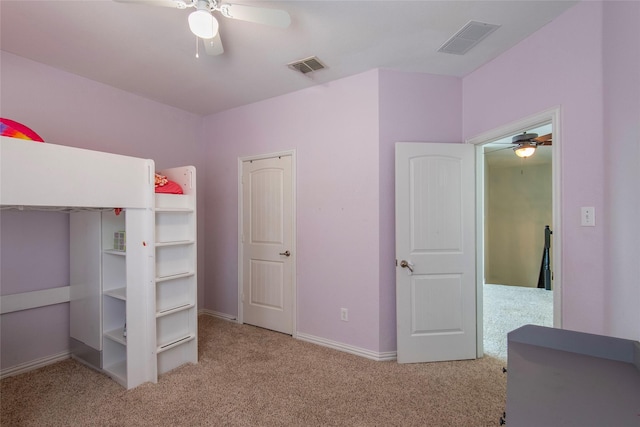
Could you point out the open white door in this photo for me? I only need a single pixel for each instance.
(435, 252)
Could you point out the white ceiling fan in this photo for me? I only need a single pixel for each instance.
(204, 25)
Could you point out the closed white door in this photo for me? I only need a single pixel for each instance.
(267, 237)
(435, 252)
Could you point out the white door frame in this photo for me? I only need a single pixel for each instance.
(294, 299)
(551, 115)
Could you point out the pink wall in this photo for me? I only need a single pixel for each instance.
(413, 107)
(560, 65)
(69, 110)
(334, 129)
(622, 158)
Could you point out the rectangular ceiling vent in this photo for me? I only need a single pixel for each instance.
(307, 65)
(469, 36)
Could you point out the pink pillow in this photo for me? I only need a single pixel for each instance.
(170, 187)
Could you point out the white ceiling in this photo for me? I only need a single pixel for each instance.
(151, 52)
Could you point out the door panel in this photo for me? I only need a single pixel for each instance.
(267, 299)
(435, 235)
(267, 281)
(435, 304)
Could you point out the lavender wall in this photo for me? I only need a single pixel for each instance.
(622, 158)
(559, 65)
(344, 134)
(28, 265)
(69, 110)
(413, 107)
(334, 130)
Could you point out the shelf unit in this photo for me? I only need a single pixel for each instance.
(85, 291)
(134, 311)
(175, 273)
(127, 287)
(112, 288)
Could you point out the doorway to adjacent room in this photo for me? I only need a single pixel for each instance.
(517, 198)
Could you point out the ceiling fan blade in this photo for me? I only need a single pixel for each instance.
(214, 46)
(544, 139)
(273, 17)
(161, 3)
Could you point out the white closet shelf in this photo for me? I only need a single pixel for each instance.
(175, 309)
(119, 293)
(116, 335)
(174, 276)
(115, 252)
(173, 210)
(176, 343)
(175, 243)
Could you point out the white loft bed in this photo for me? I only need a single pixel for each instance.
(44, 176)
(48, 175)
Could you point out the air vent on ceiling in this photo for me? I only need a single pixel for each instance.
(307, 65)
(468, 36)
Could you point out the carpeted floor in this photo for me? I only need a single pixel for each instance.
(247, 376)
(507, 308)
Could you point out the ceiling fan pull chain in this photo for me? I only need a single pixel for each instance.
(197, 48)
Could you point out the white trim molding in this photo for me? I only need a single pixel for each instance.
(219, 315)
(362, 352)
(34, 364)
(372, 355)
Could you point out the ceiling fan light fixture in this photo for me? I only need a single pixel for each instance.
(203, 24)
(525, 150)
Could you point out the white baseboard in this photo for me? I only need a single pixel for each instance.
(34, 364)
(362, 352)
(372, 355)
(217, 314)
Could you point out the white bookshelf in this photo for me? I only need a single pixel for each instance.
(127, 289)
(134, 309)
(176, 273)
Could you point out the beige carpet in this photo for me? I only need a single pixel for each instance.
(247, 376)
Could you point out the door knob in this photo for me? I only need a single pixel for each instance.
(405, 264)
(285, 253)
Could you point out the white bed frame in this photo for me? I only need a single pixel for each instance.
(35, 175)
(50, 175)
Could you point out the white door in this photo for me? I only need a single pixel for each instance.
(267, 250)
(435, 237)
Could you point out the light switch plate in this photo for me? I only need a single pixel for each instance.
(588, 216)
